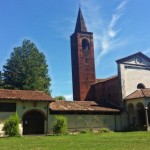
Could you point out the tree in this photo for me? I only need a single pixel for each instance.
(26, 69)
(1, 80)
(60, 98)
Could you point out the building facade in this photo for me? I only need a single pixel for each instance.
(133, 74)
(115, 102)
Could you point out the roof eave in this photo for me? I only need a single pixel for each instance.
(16, 99)
(133, 55)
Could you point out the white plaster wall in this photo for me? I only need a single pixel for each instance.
(22, 108)
(1, 127)
(131, 77)
(122, 79)
(78, 122)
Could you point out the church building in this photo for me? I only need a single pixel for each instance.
(116, 102)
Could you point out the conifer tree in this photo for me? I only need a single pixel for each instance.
(1, 80)
(26, 69)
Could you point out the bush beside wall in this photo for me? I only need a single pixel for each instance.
(11, 125)
(60, 126)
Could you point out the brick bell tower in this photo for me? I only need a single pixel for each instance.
(82, 56)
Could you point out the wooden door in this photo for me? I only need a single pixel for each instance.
(33, 123)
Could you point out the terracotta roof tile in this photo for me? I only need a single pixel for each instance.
(24, 95)
(140, 93)
(61, 105)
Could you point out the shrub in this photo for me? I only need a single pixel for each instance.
(104, 130)
(60, 126)
(84, 131)
(11, 125)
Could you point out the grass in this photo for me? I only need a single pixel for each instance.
(88, 141)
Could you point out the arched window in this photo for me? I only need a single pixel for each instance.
(140, 86)
(130, 107)
(139, 106)
(140, 114)
(85, 44)
(131, 114)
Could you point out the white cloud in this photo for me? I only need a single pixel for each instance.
(105, 44)
(115, 17)
(122, 5)
(69, 97)
(112, 33)
(105, 31)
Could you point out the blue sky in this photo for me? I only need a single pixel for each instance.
(120, 27)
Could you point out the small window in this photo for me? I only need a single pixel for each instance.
(140, 86)
(7, 107)
(85, 44)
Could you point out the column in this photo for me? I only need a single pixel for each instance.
(146, 118)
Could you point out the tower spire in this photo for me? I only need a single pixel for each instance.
(82, 58)
(80, 24)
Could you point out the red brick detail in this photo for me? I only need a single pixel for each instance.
(83, 66)
(106, 90)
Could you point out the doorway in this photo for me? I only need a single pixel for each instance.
(33, 123)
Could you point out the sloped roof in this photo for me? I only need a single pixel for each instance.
(6, 94)
(89, 106)
(132, 56)
(140, 93)
(105, 79)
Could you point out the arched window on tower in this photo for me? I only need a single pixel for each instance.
(140, 86)
(85, 44)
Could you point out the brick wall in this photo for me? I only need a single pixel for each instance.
(106, 92)
(83, 67)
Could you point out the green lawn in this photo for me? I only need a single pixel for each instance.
(99, 141)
